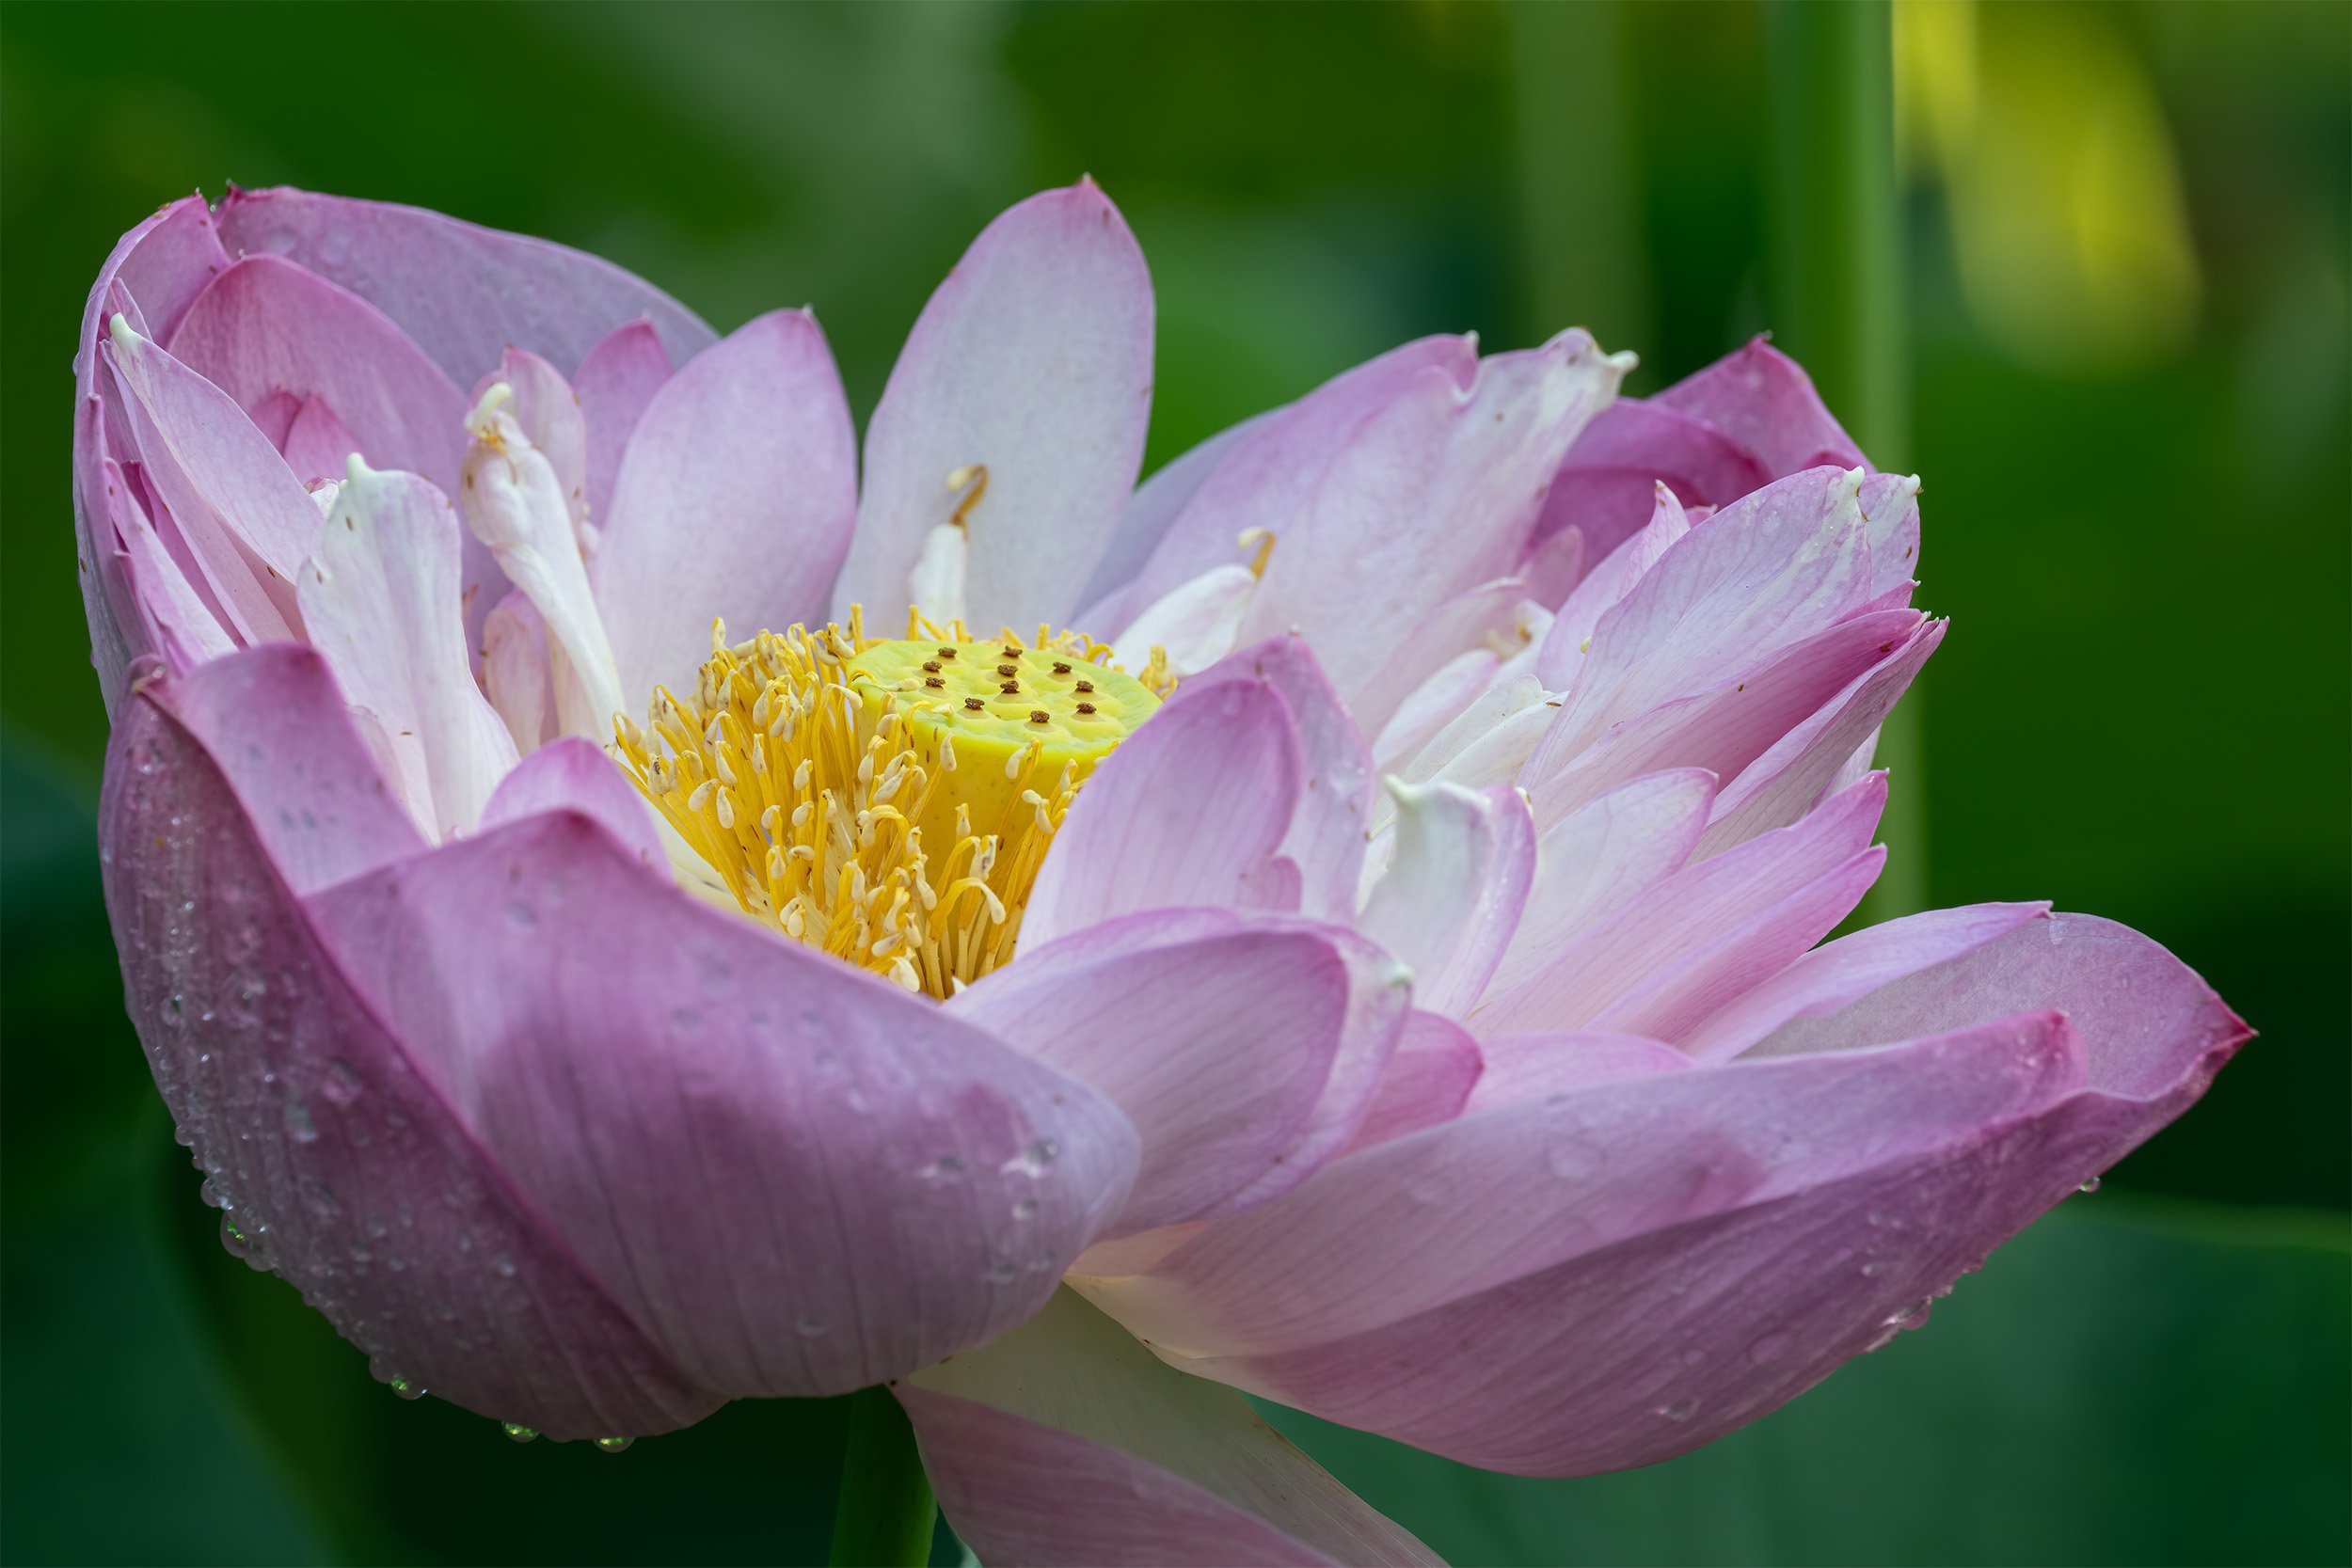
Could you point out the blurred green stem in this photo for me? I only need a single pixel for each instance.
(1835, 289)
(886, 1513)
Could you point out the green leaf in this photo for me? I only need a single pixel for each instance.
(2129, 1381)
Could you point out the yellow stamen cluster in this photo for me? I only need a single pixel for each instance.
(889, 802)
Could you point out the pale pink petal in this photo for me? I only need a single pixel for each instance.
(1842, 972)
(1825, 754)
(1491, 616)
(1263, 479)
(797, 1177)
(1033, 360)
(1536, 1066)
(571, 774)
(1886, 1186)
(237, 504)
(463, 292)
(734, 500)
(1325, 837)
(343, 1169)
(1116, 591)
(1572, 629)
(616, 382)
(1597, 859)
(1362, 561)
(516, 507)
(267, 326)
(1066, 1442)
(1680, 939)
(1452, 897)
(1430, 1079)
(516, 675)
(1786, 563)
(1729, 725)
(550, 417)
(1217, 1043)
(1471, 1206)
(1194, 625)
(381, 601)
(1188, 811)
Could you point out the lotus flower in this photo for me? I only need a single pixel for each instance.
(1353, 936)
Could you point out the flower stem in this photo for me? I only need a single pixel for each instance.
(885, 1515)
(1836, 277)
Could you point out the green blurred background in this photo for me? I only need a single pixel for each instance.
(2127, 294)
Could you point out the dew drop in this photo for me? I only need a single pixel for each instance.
(233, 1238)
(1026, 1208)
(502, 1265)
(947, 1168)
(614, 1445)
(299, 1126)
(2090, 1184)
(407, 1389)
(1002, 1272)
(1681, 1410)
(342, 1083)
(518, 1431)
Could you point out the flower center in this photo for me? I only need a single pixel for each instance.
(889, 802)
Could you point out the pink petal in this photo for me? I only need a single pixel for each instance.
(175, 620)
(1452, 898)
(463, 292)
(1217, 1043)
(1033, 359)
(120, 628)
(616, 382)
(1361, 560)
(1066, 1442)
(1326, 837)
(1686, 939)
(1472, 1205)
(267, 326)
(572, 774)
(1188, 811)
(735, 499)
(344, 1170)
(272, 723)
(237, 504)
(799, 1179)
(1607, 480)
(1842, 972)
(1429, 1080)
(317, 443)
(1763, 400)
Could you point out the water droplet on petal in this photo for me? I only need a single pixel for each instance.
(2090, 1184)
(1026, 1208)
(614, 1445)
(342, 1083)
(407, 1389)
(518, 1431)
(1681, 1410)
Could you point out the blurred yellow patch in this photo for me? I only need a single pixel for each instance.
(2064, 192)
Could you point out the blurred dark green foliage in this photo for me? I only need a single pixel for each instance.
(2143, 709)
